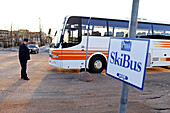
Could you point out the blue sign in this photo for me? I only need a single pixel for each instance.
(126, 45)
(124, 77)
(127, 59)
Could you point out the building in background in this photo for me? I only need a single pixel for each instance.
(15, 38)
(4, 38)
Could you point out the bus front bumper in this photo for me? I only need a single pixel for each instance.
(55, 63)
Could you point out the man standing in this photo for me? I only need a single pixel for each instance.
(23, 57)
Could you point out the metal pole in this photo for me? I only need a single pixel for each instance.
(132, 34)
(11, 35)
(124, 98)
(40, 31)
(87, 43)
(133, 21)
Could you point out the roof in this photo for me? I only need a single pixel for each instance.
(139, 19)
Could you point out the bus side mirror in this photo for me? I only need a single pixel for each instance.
(49, 31)
(55, 33)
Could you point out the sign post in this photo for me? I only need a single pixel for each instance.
(125, 46)
(132, 33)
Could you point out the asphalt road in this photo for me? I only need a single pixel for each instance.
(52, 90)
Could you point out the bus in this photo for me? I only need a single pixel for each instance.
(68, 50)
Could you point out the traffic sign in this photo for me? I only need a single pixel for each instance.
(127, 60)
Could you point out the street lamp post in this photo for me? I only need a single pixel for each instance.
(40, 31)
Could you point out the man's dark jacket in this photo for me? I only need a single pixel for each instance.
(24, 54)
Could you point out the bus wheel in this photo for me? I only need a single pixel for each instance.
(96, 65)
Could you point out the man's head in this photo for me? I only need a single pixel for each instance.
(25, 41)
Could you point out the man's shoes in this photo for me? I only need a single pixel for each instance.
(26, 78)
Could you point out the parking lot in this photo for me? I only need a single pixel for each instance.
(53, 90)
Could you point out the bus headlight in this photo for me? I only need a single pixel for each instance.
(55, 56)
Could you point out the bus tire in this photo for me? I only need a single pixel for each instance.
(96, 64)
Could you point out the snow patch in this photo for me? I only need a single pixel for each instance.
(44, 49)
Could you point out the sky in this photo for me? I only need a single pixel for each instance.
(27, 14)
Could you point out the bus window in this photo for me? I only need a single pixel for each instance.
(84, 26)
(163, 30)
(118, 28)
(72, 34)
(143, 30)
(97, 27)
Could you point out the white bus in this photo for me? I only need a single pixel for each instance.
(69, 48)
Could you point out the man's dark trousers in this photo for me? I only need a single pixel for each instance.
(23, 68)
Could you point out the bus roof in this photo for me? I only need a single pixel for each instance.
(139, 19)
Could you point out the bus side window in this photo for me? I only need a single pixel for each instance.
(84, 26)
(119, 34)
(143, 30)
(163, 30)
(98, 27)
(118, 28)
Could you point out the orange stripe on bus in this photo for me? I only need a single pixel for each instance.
(163, 46)
(78, 51)
(70, 58)
(75, 53)
(162, 41)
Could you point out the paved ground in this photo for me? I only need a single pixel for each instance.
(52, 90)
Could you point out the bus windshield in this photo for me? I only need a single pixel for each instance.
(72, 33)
